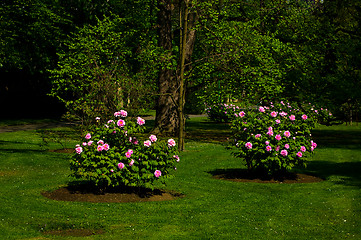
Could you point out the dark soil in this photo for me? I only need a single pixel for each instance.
(63, 150)
(242, 175)
(85, 193)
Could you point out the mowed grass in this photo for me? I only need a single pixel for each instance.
(211, 208)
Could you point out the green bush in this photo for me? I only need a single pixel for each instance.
(273, 139)
(113, 155)
(222, 112)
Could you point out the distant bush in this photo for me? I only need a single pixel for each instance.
(222, 112)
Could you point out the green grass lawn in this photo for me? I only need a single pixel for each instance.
(211, 209)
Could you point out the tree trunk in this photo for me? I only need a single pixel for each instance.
(166, 121)
(187, 40)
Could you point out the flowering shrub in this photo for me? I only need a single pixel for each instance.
(222, 112)
(273, 138)
(321, 115)
(111, 155)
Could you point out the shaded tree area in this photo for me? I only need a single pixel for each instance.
(206, 51)
(31, 34)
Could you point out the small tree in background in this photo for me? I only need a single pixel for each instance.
(95, 75)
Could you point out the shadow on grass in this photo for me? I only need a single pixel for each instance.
(206, 131)
(337, 138)
(348, 173)
(242, 175)
(19, 147)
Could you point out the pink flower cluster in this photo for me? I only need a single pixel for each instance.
(121, 113)
(140, 121)
(157, 173)
(102, 146)
(171, 143)
(129, 153)
(78, 149)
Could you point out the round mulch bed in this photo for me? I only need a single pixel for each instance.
(242, 175)
(82, 193)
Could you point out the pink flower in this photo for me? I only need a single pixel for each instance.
(129, 153)
(292, 117)
(283, 114)
(242, 114)
(100, 142)
(257, 135)
(123, 113)
(171, 143)
(121, 123)
(299, 154)
(278, 137)
(270, 129)
(304, 116)
(157, 173)
(90, 143)
(78, 150)
(147, 143)
(274, 114)
(100, 148)
(277, 148)
(131, 162)
(84, 143)
(97, 119)
(140, 121)
(248, 145)
(106, 147)
(110, 121)
(303, 149)
(261, 109)
(120, 165)
(88, 136)
(266, 142)
(153, 138)
(176, 157)
(270, 133)
(111, 170)
(314, 145)
(284, 153)
(278, 121)
(116, 114)
(287, 134)
(268, 148)
(287, 146)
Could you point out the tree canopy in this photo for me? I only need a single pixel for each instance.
(244, 50)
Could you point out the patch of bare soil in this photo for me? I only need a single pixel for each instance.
(242, 175)
(82, 193)
(64, 150)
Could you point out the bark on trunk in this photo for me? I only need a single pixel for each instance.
(166, 121)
